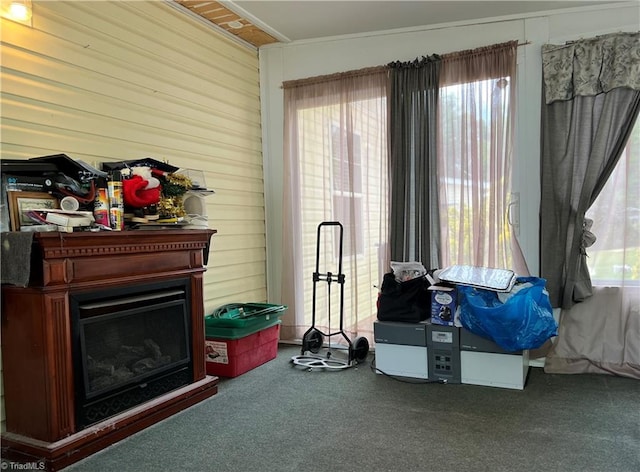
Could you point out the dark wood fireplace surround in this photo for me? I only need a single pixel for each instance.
(37, 332)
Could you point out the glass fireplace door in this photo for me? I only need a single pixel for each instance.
(132, 344)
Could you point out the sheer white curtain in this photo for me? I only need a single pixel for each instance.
(335, 169)
(475, 150)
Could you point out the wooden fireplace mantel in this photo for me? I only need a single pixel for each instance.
(37, 344)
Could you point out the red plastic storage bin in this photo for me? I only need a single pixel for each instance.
(233, 357)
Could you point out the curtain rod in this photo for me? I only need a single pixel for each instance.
(337, 75)
(555, 47)
(353, 73)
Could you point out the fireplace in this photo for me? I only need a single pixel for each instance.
(107, 339)
(130, 345)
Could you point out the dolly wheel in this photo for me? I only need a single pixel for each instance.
(313, 341)
(360, 349)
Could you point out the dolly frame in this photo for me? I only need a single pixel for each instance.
(312, 339)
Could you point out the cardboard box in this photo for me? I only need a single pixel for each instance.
(444, 301)
(234, 357)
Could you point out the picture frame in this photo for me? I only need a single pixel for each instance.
(20, 201)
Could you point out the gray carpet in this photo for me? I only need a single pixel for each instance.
(279, 417)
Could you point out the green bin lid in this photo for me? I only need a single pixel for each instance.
(241, 315)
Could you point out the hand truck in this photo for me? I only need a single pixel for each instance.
(313, 338)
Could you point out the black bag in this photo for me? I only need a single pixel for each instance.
(408, 301)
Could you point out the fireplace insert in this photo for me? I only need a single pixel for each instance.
(130, 345)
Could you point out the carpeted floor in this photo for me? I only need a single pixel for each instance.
(280, 418)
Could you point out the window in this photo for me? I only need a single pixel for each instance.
(615, 256)
(347, 189)
(335, 163)
(474, 159)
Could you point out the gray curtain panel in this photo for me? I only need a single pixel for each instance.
(582, 140)
(414, 232)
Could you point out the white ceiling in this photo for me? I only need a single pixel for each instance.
(294, 20)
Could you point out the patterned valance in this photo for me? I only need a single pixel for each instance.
(591, 66)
